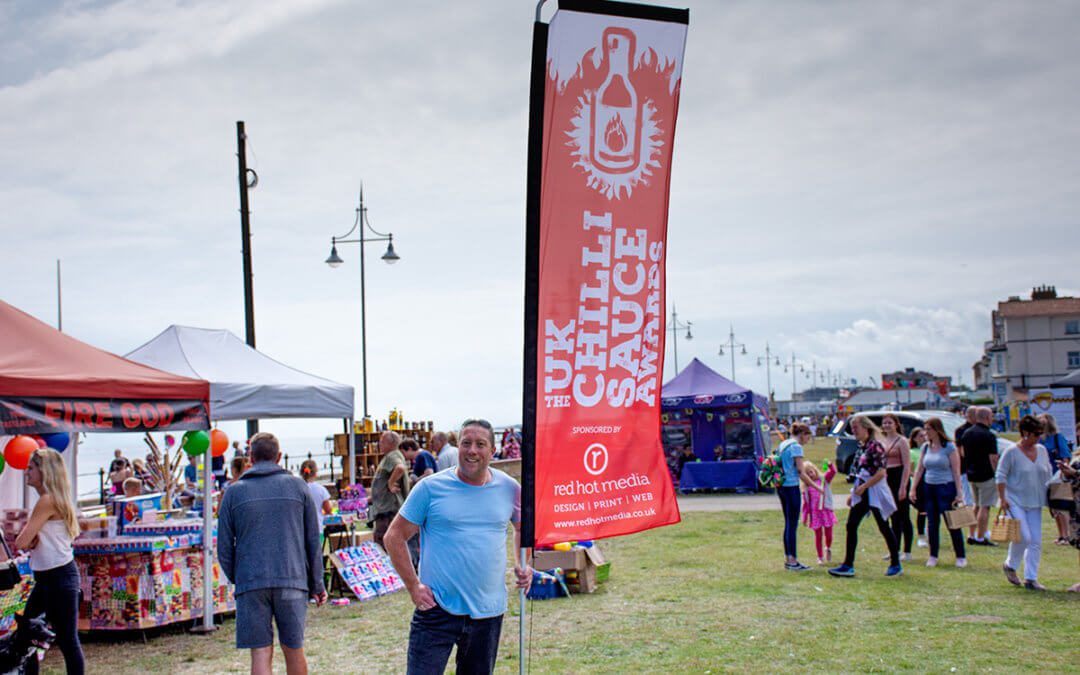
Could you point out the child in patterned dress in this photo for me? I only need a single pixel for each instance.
(818, 510)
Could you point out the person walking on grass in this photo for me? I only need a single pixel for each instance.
(1022, 474)
(268, 546)
(980, 448)
(916, 439)
(1057, 447)
(869, 496)
(898, 477)
(1070, 471)
(460, 594)
(791, 461)
(939, 468)
(48, 534)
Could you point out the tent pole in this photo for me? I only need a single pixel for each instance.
(208, 545)
(521, 620)
(352, 450)
(73, 446)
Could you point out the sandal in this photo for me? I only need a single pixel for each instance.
(1073, 589)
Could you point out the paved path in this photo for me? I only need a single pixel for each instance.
(735, 502)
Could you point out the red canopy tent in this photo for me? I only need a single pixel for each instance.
(50, 382)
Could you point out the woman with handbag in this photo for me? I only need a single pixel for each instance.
(1022, 474)
(1057, 447)
(869, 496)
(939, 470)
(48, 535)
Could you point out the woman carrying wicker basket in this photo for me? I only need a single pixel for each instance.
(1022, 474)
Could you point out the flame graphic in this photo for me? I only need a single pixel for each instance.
(615, 134)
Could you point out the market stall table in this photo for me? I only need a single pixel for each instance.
(729, 474)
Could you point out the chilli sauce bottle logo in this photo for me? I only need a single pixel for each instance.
(615, 134)
(616, 109)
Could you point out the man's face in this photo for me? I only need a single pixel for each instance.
(970, 414)
(474, 454)
(387, 443)
(437, 444)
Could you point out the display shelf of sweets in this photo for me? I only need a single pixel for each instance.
(367, 447)
(132, 544)
(170, 527)
(146, 589)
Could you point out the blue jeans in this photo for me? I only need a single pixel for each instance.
(791, 503)
(939, 499)
(435, 632)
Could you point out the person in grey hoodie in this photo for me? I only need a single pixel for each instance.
(268, 546)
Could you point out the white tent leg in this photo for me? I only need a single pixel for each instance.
(208, 544)
(352, 452)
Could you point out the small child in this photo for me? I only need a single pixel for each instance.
(818, 509)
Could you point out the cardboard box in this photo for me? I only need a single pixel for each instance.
(584, 562)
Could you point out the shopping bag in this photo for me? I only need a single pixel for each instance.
(960, 517)
(1060, 497)
(1005, 529)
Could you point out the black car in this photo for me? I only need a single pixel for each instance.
(909, 419)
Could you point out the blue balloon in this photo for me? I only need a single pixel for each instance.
(58, 442)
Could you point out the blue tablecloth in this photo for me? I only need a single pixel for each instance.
(730, 474)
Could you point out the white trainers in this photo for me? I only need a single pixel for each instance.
(922, 542)
(905, 556)
(961, 562)
(931, 561)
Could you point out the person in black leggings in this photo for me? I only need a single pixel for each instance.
(898, 474)
(48, 535)
(871, 471)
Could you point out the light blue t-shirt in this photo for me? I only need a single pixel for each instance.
(938, 466)
(463, 539)
(789, 450)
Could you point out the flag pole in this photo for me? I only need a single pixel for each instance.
(534, 166)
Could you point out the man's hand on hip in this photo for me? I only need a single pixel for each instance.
(422, 597)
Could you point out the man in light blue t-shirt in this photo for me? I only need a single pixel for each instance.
(461, 514)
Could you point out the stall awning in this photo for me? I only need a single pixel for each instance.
(244, 382)
(50, 381)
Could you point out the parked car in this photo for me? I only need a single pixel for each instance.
(846, 445)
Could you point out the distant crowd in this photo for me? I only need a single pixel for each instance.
(957, 481)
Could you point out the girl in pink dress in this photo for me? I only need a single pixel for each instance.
(817, 509)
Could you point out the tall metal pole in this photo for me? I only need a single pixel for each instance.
(732, 338)
(245, 241)
(59, 304)
(675, 335)
(793, 386)
(768, 369)
(363, 307)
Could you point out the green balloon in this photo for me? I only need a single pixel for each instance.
(196, 442)
(2, 463)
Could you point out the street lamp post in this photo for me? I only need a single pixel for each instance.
(768, 361)
(334, 260)
(731, 345)
(675, 327)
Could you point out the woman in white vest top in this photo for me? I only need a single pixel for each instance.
(48, 536)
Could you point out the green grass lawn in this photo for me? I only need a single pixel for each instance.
(709, 595)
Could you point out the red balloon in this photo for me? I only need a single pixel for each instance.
(40, 441)
(18, 451)
(219, 442)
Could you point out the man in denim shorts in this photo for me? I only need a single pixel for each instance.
(268, 546)
(460, 594)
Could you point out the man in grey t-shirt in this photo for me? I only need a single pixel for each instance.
(446, 455)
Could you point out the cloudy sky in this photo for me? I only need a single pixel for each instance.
(855, 183)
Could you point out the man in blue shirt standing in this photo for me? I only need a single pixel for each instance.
(460, 593)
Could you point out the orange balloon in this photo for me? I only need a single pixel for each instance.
(18, 451)
(219, 442)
